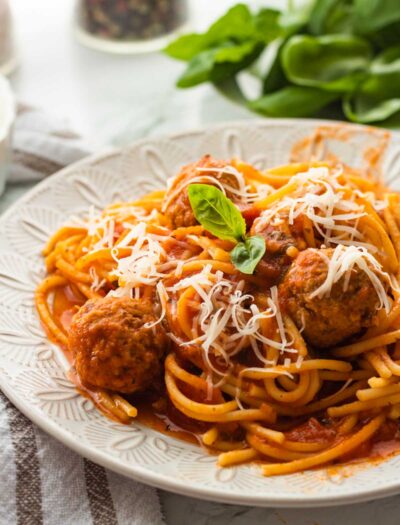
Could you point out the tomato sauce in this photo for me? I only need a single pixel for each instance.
(311, 431)
(157, 412)
(66, 303)
(383, 444)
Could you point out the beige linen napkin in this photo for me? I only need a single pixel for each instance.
(42, 481)
(42, 145)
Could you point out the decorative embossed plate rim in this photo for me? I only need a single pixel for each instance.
(32, 370)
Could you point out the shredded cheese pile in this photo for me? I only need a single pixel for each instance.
(97, 283)
(229, 320)
(343, 261)
(101, 226)
(141, 266)
(320, 197)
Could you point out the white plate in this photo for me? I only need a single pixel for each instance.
(32, 370)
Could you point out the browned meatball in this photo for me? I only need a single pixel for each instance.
(112, 347)
(279, 235)
(177, 206)
(332, 319)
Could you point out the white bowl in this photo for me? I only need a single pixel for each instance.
(7, 115)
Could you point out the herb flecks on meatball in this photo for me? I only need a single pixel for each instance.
(331, 319)
(114, 347)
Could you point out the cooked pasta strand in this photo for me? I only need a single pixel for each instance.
(329, 455)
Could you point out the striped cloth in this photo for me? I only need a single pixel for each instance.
(41, 481)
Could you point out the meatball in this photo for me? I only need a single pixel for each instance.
(112, 346)
(329, 320)
(177, 207)
(279, 235)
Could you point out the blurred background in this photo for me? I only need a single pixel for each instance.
(109, 98)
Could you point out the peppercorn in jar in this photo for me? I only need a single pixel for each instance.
(129, 25)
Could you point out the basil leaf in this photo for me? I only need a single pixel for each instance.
(366, 110)
(229, 62)
(231, 53)
(331, 62)
(231, 90)
(186, 46)
(295, 18)
(331, 16)
(373, 15)
(216, 213)
(319, 15)
(275, 77)
(293, 101)
(246, 255)
(384, 78)
(218, 64)
(387, 36)
(266, 23)
(236, 25)
(378, 97)
(379, 20)
(198, 70)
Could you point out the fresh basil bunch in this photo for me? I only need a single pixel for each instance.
(219, 216)
(332, 58)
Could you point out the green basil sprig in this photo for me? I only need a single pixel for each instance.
(216, 213)
(334, 63)
(247, 254)
(327, 58)
(219, 216)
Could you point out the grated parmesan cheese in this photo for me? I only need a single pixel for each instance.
(299, 361)
(229, 320)
(320, 197)
(179, 269)
(97, 284)
(163, 297)
(141, 266)
(242, 191)
(344, 259)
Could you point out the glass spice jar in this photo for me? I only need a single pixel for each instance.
(128, 26)
(8, 60)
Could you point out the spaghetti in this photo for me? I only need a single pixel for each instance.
(252, 377)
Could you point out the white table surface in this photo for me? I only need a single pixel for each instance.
(115, 100)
